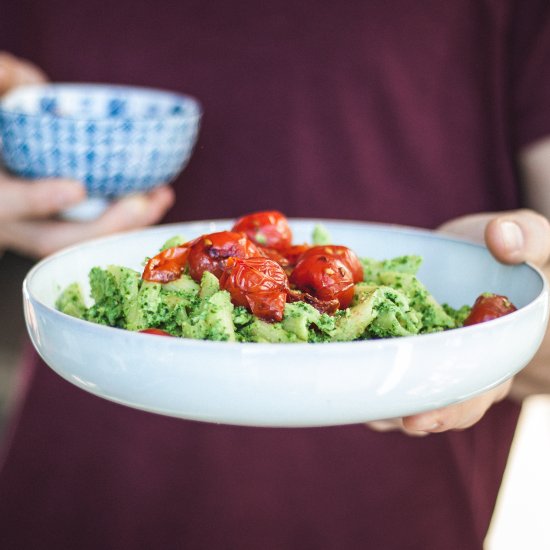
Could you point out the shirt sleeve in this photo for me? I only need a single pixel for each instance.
(530, 58)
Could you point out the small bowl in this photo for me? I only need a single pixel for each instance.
(117, 140)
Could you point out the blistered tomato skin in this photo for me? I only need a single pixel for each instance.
(274, 255)
(211, 252)
(342, 253)
(166, 266)
(324, 277)
(268, 228)
(294, 252)
(488, 307)
(285, 257)
(258, 284)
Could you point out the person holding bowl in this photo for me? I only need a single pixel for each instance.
(427, 121)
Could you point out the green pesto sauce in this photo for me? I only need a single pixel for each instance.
(391, 302)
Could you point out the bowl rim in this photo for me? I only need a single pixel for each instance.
(386, 342)
(95, 87)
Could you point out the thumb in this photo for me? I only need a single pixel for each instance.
(519, 236)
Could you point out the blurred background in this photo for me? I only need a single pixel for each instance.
(12, 326)
(521, 516)
(520, 521)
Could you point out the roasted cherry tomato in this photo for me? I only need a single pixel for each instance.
(292, 253)
(269, 229)
(210, 252)
(157, 331)
(488, 307)
(167, 265)
(325, 277)
(343, 253)
(274, 255)
(259, 284)
(322, 306)
(285, 257)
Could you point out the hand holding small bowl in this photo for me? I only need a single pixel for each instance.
(117, 140)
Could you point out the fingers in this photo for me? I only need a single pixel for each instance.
(40, 238)
(17, 72)
(37, 199)
(459, 416)
(392, 425)
(471, 226)
(519, 236)
(455, 417)
(513, 237)
(136, 211)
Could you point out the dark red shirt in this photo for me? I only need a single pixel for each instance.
(404, 112)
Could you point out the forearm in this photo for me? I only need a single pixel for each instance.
(535, 173)
(535, 377)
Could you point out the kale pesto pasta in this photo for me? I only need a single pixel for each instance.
(251, 284)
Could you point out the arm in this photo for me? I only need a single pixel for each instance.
(534, 165)
(535, 172)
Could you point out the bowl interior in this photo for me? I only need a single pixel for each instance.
(453, 270)
(98, 102)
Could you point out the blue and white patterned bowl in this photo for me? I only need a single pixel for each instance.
(116, 139)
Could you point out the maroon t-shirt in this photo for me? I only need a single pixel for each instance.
(404, 112)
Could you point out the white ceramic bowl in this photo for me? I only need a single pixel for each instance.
(293, 384)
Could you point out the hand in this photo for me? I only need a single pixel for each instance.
(28, 208)
(16, 72)
(513, 237)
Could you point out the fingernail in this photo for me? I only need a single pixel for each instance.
(512, 236)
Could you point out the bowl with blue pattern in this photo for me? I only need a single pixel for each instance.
(117, 140)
